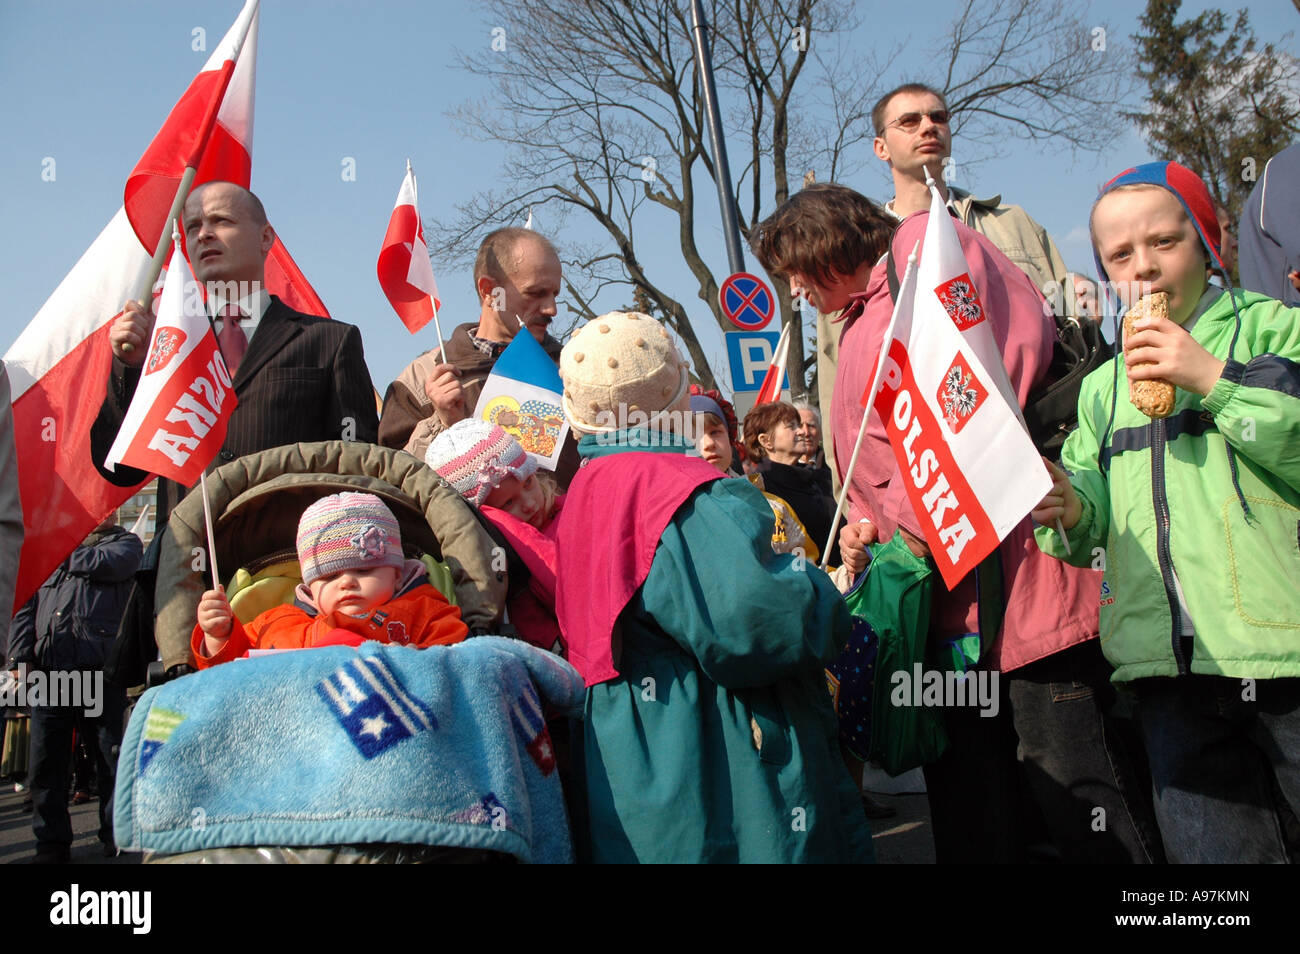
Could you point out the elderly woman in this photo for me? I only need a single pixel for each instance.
(772, 440)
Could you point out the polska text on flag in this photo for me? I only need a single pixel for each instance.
(522, 396)
(405, 273)
(177, 420)
(970, 469)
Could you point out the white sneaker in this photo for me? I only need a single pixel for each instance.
(19, 787)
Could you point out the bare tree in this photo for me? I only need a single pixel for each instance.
(600, 112)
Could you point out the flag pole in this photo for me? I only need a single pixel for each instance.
(207, 521)
(871, 397)
(145, 289)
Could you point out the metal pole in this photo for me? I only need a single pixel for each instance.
(721, 172)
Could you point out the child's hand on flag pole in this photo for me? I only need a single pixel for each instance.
(1061, 503)
(214, 619)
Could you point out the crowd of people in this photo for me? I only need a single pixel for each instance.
(1146, 690)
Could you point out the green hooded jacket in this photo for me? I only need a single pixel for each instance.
(1170, 510)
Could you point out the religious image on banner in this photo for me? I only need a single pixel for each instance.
(522, 397)
(177, 420)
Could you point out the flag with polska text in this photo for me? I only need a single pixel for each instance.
(953, 421)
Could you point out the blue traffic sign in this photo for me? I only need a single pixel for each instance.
(747, 301)
(749, 353)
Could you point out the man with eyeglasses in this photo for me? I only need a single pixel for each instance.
(912, 132)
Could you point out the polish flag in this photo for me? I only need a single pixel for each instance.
(59, 365)
(211, 127)
(177, 420)
(774, 381)
(405, 273)
(971, 471)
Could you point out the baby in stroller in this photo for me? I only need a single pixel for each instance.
(356, 586)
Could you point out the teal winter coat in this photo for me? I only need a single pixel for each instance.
(716, 742)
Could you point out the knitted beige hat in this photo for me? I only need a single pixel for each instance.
(619, 365)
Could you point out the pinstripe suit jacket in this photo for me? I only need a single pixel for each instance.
(302, 378)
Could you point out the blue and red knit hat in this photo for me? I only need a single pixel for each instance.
(1187, 187)
(347, 531)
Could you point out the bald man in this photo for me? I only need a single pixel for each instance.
(297, 377)
(517, 280)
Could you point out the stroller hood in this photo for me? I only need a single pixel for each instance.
(257, 500)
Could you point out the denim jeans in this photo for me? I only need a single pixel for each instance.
(1215, 753)
(1041, 769)
(50, 770)
(1084, 763)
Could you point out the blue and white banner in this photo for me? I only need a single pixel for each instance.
(522, 397)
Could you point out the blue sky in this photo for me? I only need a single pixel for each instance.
(88, 84)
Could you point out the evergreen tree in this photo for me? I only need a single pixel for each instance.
(1219, 102)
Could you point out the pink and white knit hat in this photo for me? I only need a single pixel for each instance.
(347, 531)
(475, 456)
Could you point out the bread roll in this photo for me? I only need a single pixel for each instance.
(1154, 398)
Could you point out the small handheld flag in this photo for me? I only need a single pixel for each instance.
(176, 423)
(405, 273)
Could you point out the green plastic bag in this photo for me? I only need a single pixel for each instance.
(895, 600)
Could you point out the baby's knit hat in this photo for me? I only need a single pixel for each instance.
(616, 365)
(475, 456)
(347, 531)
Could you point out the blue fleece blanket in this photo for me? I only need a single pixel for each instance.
(439, 746)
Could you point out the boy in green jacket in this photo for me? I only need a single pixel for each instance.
(1196, 519)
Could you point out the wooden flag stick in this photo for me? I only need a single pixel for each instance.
(207, 520)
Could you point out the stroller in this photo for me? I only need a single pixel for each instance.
(355, 755)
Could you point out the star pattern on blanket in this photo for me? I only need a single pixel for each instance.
(373, 708)
(375, 726)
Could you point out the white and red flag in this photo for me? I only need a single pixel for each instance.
(774, 380)
(59, 365)
(953, 421)
(177, 420)
(405, 273)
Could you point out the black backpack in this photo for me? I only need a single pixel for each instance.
(1052, 410)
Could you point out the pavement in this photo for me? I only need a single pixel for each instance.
(17, 846)
(906, 838)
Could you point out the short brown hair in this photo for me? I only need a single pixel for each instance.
(878, 111)
(762, 419)
(496, 248)
(822, 232)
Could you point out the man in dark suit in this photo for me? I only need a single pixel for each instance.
(297, 377)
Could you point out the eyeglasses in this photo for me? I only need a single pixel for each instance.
(911, 122)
